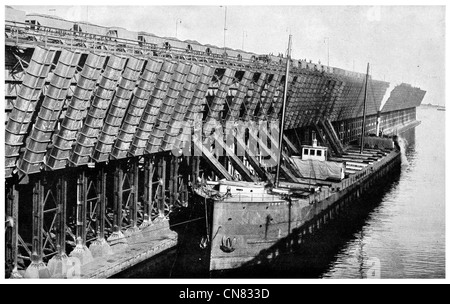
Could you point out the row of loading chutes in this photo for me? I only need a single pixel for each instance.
(167, 107)
(27, 99)
(191, 85)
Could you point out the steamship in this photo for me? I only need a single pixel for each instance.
(254, 222)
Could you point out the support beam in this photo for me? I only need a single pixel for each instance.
(212, 161)
(172, 179)
(184, 181)
(237, 163)
(58, 264)
(176, 175)
(195, 169)
(291, 145)
(253, 161)
(334, 134)
(38, 222)
(285, 169)
(330, 133)
(132, 234)
(118, 197)
(325, 128)
(81, 206)
(264, 149)
(12, 232)
(288, 173)
(101, 186)
(148, 190)
(37, 269)
(291, 166)
(117, 239)
(162, 167)
(100, 247)
(134, 180)
(61, 217)
(325, 139)
(81, 251)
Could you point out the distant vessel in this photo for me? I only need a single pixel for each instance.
(441, 109)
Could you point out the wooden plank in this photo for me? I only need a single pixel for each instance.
(361, 165)
(354, 168)
(344, 159)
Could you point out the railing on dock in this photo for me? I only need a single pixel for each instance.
(26, 33)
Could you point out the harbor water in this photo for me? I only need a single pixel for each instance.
(405, 234)
(397, 233)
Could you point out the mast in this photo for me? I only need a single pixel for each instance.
(283, 112)
(364, 111)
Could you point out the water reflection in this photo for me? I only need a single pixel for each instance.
(406, 232)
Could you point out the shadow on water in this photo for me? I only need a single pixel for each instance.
(188, 259)
(192, 259)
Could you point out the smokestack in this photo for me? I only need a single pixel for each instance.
(386, 95)
(378, 122)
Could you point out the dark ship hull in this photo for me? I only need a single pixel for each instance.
(246, 227)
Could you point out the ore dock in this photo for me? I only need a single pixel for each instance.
(112, 143)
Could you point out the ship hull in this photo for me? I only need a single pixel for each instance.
(246, 233)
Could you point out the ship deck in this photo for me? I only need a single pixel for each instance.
(358, 165)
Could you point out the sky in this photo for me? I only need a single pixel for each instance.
(401, 43)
